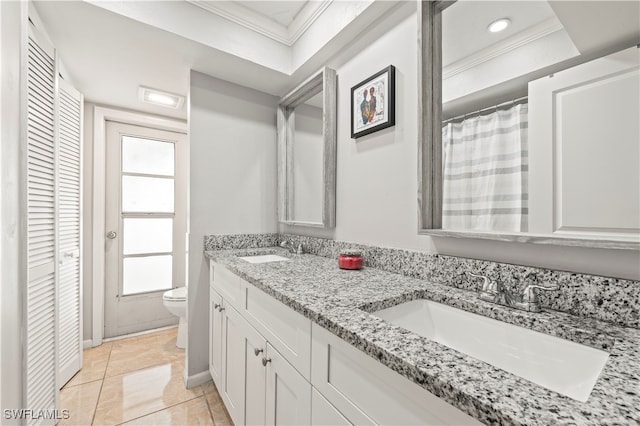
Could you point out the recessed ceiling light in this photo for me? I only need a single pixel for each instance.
(158, 97)
(499, 25)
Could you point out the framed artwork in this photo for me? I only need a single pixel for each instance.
(373, 103)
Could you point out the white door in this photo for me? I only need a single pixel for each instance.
(255, 358)
(234, 361)
(288, 394)
(40, 313)
(145, 226)
(69, 231)
(215, 340)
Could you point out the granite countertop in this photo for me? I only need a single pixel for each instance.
(341, 300)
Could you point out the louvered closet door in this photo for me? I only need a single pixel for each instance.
(41, 389)
(69, 190)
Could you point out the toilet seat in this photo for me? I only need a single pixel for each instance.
(176, 295)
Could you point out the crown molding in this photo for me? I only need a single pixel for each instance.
(531, 34)
(305, 18)
(245, 17)
(260, 24)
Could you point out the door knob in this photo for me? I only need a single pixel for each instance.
(111, 235)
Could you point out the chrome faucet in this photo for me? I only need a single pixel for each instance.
(290, 246)
(494, 292)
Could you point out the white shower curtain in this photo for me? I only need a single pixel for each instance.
(485, 172)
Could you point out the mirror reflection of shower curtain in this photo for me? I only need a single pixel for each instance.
(485, 162)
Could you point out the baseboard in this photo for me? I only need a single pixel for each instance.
(197, 379)
(87, 344)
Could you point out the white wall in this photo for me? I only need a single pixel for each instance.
(232, 139)
(377, 174)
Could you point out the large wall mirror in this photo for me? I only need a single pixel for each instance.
(307, 153)
(529, 125)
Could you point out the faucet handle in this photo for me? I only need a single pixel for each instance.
(487, 285)
(530, 295)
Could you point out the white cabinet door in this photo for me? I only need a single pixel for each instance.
(288, 393)
(323, 413)
(255, 351)
(584, 149)
(215, 338)
(234, 361)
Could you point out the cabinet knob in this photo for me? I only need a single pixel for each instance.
(220, 309)
(112, 234)
(216, 306)
(265, 361)
(257, 351)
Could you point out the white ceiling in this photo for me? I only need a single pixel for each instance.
(112, 48)
(282, 12)
(108, 55)
(464, 24)
(282, 21)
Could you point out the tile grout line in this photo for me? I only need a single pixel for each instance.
(206, 400)
(141, 368)
(93, 418)
(165, 408)
(79, 384)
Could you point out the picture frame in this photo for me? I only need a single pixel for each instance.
(373, 103)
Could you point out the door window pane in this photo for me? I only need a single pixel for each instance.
(147, 156)
(144, 194)
(147, 235)
(142, 274)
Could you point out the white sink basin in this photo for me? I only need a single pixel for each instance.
(264, 258)
(560, 365)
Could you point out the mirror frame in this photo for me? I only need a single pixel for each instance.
(323, 81)
(430, 177)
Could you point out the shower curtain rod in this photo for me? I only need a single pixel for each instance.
(463, 116)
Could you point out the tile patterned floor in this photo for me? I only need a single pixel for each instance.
(138, 381)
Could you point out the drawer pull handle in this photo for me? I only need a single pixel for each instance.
(265, 361)
(257, 351)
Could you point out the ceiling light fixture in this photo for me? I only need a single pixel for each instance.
(499, 25)
(158, 97)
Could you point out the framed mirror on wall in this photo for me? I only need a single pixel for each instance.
(307, 153)
(529, 126)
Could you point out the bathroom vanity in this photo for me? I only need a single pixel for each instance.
(296, 340)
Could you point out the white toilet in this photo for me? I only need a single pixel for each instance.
(176, 302)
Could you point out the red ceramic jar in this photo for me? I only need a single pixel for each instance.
(350, 260)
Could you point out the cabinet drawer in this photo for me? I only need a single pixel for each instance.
(357, 384)
(228, 284)
(285, 329)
